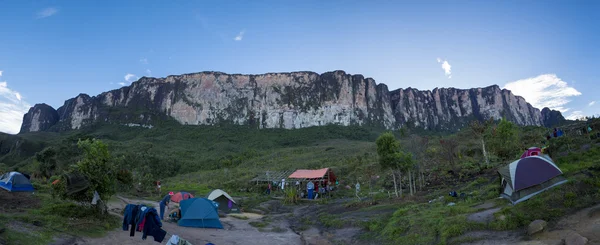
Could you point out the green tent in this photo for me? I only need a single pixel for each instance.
(225, 201)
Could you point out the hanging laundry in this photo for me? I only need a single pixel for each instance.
(145, 220)
(152, 226)
(129, 216)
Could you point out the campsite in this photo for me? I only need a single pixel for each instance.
(322, 204)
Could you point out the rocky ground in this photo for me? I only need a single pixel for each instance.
(579, 228)
(301, 224)
(236, 231)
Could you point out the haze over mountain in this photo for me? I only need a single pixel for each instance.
(544, 52)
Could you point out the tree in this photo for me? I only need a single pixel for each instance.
(46, 162)
(418, 148)
(391, 157)
(479, 130)
(449, 151)
(505, 139)
(98, 167)
(387, 147)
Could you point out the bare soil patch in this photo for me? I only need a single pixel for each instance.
(17, 202)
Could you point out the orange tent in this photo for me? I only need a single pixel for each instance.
(177, 197)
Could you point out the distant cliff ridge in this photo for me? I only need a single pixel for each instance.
(284, 100)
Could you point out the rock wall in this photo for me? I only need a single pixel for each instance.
(286, 100)
(40, 117)
(450, 108)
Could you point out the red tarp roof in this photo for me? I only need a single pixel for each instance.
(309, 174)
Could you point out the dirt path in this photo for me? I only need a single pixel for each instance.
(236, 231)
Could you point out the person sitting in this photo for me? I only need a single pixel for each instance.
(175, 213)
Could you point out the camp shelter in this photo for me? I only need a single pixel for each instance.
(225, 201)
(15, 182)
(270, 176)
(532, 151)
(527, 177)
(76, 183)
(179, 196)
(199, 212)
(324, 174)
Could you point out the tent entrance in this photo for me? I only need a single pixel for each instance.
(508, 190)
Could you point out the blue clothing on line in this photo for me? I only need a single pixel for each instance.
(153, 226)
(128, 215)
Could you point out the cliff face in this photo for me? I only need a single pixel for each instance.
(285, 100)
(552, 118)
(450, 108)
(40, 117)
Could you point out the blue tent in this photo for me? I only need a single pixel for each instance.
(15, 181)
(199, 212)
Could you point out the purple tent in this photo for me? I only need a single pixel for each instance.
(529, 176)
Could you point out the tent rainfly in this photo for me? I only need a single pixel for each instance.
(532, 151)
(529, 176)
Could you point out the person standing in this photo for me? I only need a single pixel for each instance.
(158, 186)
(310, 187)
(282, 184)
(164, 203)
(269, 189)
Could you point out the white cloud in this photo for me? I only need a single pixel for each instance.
(130, 77)
(446, 67)
(592, 103)
(149, 72)
(122, 84)
(0, 73)
(545, 90)
(575, 115)
(12, 109)
(144, 61)
(47, 12)
(240, 36)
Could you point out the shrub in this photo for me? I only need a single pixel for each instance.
(291, 196)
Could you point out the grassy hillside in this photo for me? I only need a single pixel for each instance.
(201, 158)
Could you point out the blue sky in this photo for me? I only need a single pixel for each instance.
(51, 51)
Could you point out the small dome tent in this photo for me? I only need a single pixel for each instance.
(532, 151)
(529, 176)
(199, 212)
(180, 196)
(225, 201)
(15, 182)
